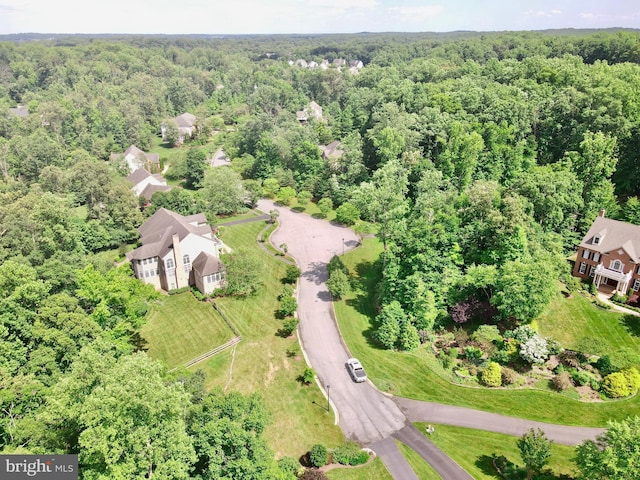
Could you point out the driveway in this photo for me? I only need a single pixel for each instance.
(366, 415)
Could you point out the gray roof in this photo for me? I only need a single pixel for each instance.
(206, 264)
(614, 235)
(157, 232)
(186, 120)
(20, 111)
(148, 191)
(138, 176)
(332, 150)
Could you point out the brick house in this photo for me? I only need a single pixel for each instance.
(609, 254)
(178, 252)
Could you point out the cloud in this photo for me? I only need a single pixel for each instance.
(417, 13)
(542, 13)
(343, 4)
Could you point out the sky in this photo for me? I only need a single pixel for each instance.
(310, 16)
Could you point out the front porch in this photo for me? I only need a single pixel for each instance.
(605, 278)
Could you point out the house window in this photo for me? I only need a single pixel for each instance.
(146, 274)
(169, 263)
(583, 268)
(585, 254)
(153, 273)
(592, 270)
(187, 263)
(616, 265)
(596, 240)
(636, 284)
(596, 257)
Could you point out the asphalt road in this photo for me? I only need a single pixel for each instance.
(365, 414)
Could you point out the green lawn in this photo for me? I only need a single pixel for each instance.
(577, 324)
(179, 328)
(474, 450)
(423, 470)
(260, 362)
(411, 374)
(373, 471)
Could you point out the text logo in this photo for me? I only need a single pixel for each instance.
(45, 467)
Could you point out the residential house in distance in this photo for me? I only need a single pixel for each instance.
(610, 253)
(331, 152)
(186, 127)
(313, 110)
(178, 252)
(146, 184)
(137, 159)
(20, 111)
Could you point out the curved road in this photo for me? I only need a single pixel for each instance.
(366, 415)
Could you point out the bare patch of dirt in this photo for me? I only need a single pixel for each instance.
(587, 394)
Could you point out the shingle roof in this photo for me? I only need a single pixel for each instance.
(138, 176)
(614, 235)
(148, 191)
(157, 232)
(206, 264)
(186, 120)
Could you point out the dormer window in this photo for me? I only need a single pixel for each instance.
(596, 240)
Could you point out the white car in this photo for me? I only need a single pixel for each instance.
(355, 369)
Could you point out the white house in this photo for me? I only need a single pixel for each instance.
(186, 127)
(178, 252)
(145, 184)
(137, 159)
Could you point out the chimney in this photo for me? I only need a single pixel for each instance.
(602, 212)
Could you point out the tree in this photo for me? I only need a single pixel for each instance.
(347, 214)
(338, 284)
(325, 205)
(614, 454)
(196, 165)
(304, 197)
(287, 308)
(273, 215)
(226, 430)
(223, 192)
(243, 272)
(171, 132)
(535, 451)
(291, 274)
(390, 321)
(285, 195)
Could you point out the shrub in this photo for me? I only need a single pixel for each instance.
(291, 274)
(454, 352)
(633, 379)
(336, 264)
(287, 291)
(325, 205)
(308, 375)
(318, 456)
(562, 381)
(553, 346)
(501, 356)
(615, 385)
(289, 465)
(289, 326)
(349, 454)
(604, 366)
(509, 376)
(408, 339)
(534, 350)
(492, 375)
(581, 377)
(288, 306)
(313, 474)
(524, 333)
(486, 334)
(472, 353)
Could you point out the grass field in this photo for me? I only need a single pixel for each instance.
(423, 470)
(410, 374)
(577, 324)
(374, 471)
(474, 451)
(180, 328)
(260, 363)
